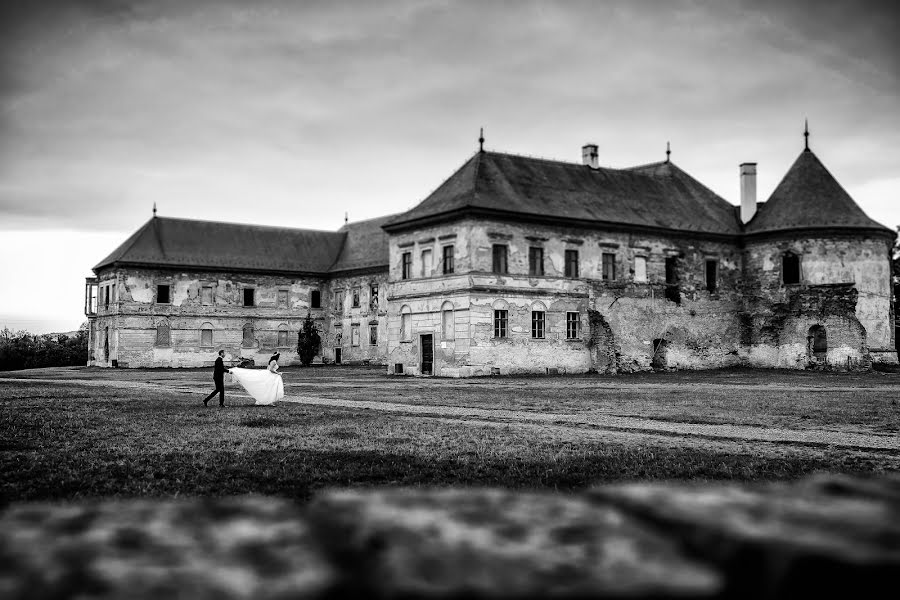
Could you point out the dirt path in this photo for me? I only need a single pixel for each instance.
(610, 423)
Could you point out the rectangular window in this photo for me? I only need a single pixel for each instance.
(206, 340)
(448, 259)
(248, 339)
(535, 261)
(537, 324)
(407, 265)
(106, 297)
(249, 297)
(373, 335)
(500, 252)
(162, 294)
(206, 295)
(500, 323)
(790, 268)
(355, 297)
(282, 298)
(282, 338)
(640, 268)
(571, 263)
(373, 298)
(339, 301)
(354, 335)
(673, 289)
(609, 266)
(712, 268)
(315, 299)
(573, 325)
(426, 262)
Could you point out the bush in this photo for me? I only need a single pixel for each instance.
(23, 350)
(308, 341)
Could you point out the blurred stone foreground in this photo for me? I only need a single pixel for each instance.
(826, 536)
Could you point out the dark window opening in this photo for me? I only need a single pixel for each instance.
(573, 325)
(609, 267)
(500, 252)
(249, 296)
(373, 298)
(817, 341)
(448, 260)
(162, 294)
(571, 263)
(315, 299)
(407, 265)
(535, 261)
(500, 323)
(712, 268)
(673, 289)
(355, 297)
(790, 269)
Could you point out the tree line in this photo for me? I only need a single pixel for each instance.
(23, 350)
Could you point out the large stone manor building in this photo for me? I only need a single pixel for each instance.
(521, 265)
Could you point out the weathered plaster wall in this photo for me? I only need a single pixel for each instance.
(861, 262)
(340, 320)
(135, 315)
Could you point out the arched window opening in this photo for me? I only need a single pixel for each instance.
(163, 334)
(248, 338)
(405, 323)
(448, 321)
(817, 341)
(790, 268)
(206, 335)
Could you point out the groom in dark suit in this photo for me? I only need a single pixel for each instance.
(219, 371)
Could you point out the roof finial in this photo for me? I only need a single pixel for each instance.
(668, 151)
(154, 210)
(806, 135)
(346, 217)
(481, 140)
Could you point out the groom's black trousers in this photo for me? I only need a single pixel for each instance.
(220, 390)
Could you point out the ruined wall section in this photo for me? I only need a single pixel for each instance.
(137, 314)
(829, 267)
(351, 326)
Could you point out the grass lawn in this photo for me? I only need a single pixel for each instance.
(107, 433)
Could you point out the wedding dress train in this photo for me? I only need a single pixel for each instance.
(265, 387)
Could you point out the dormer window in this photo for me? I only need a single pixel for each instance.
(790, 268)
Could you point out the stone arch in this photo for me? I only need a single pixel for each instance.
(500, 304)
(602, 344)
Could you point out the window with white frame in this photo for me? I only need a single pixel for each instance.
(640, 268)
(448, 325)
(501, 323)
(573, 325)
(426, 262)
(354, 335)
(537, 324)
(405, 324)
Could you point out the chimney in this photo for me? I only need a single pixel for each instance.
(589, 156)
(748, 191)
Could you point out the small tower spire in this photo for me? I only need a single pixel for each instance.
(806, 135)
(154, 210)
(481, 140)
(346, 217)
(668, 151)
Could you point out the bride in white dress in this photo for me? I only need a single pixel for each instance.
(265, 385)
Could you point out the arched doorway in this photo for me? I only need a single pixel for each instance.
(817, 343)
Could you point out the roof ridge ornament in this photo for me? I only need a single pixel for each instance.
(668, 151)
(154, 210)
(806, 135)
(481, 140)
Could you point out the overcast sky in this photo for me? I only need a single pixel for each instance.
(291, 113)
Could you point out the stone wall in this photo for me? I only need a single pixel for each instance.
(348, 326)
(825, 536)
(135, 315)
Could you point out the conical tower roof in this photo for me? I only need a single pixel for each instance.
(809, 197)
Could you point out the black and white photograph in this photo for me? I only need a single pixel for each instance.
(449, 299)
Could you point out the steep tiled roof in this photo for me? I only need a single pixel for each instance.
(365, 245)
(659, 195)
(168, 242)
(809, 197)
